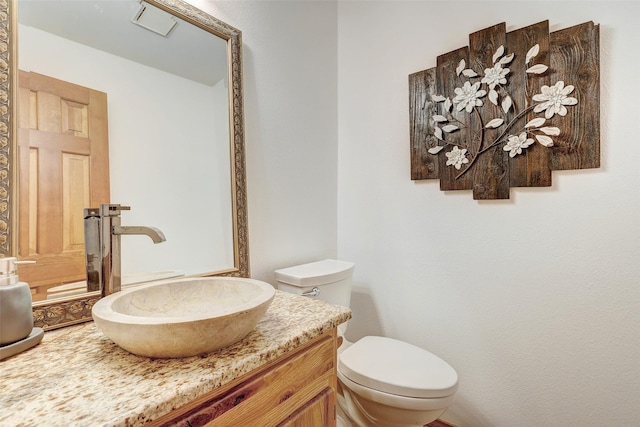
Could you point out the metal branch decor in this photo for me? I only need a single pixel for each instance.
(508, 109)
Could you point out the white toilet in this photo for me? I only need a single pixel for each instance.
(382, 381)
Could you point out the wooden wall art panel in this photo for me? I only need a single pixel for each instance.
(508, 109)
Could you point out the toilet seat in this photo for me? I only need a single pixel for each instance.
(391, 366)
(395, 401)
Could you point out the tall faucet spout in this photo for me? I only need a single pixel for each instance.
(102, 246)
(156, 235)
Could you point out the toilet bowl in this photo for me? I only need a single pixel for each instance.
(393, 383)
(382, 381)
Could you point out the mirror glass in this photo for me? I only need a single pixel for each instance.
(162, 76)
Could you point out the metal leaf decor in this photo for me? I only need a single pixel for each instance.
(508, 109)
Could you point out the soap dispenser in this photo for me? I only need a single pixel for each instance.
(16, 315)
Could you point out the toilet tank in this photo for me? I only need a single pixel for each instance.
(332, 278)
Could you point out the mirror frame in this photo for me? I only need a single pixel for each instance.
(64, 312)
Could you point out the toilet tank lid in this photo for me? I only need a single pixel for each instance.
(316, 273)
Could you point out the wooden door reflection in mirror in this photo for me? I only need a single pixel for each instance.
(63, 152)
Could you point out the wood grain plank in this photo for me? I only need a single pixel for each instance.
(447, 81)
(320, 411)
(49, 202)
(575, 59)
(99, 139)
(532, 167)
(491, 169)
(422, 87)
(59, 142)
(76, 191)
(72, 92)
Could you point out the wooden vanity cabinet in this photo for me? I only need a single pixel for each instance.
(298, 389)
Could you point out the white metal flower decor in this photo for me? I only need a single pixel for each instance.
(552, 100)
(508, 93)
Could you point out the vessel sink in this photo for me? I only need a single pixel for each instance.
(183, 317)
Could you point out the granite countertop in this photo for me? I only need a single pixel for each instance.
(77, 376)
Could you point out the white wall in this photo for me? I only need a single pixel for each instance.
(535, 301)
(290, 82)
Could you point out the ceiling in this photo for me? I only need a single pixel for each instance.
(188, 51)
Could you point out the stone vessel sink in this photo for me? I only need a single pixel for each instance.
(183, 317)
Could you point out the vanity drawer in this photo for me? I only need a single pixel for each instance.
(299, 385)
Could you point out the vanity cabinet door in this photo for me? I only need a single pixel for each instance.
(320, 412)
(297, 389)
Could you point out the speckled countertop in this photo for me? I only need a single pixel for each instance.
(77, 376)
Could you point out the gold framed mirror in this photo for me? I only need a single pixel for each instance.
(60, 312)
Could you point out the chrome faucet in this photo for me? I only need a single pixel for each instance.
(102, 231)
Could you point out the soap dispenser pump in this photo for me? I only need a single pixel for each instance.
(16, 315)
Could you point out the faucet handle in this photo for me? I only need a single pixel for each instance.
(112, 209)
